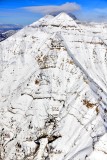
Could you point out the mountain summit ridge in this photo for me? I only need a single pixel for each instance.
(62, 19)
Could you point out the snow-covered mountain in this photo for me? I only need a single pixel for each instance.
(7, 34)
(53, 91)
(7, 30)
(7, 27)
(70, 14)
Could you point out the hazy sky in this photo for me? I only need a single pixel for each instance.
(27, 11)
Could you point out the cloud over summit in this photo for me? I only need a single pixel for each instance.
(66, 7)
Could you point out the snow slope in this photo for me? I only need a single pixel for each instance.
(53, 91)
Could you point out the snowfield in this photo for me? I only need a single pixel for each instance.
(53, 91)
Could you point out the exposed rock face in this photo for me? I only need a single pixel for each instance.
(53, 92)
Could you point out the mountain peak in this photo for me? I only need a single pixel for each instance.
(63, 15)
(42, 20)
(70, 14)
(63, 19)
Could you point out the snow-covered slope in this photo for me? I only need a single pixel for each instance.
(53, 92)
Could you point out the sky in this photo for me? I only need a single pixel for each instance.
(27, 11)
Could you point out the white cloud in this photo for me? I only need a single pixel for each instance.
(66, 7)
